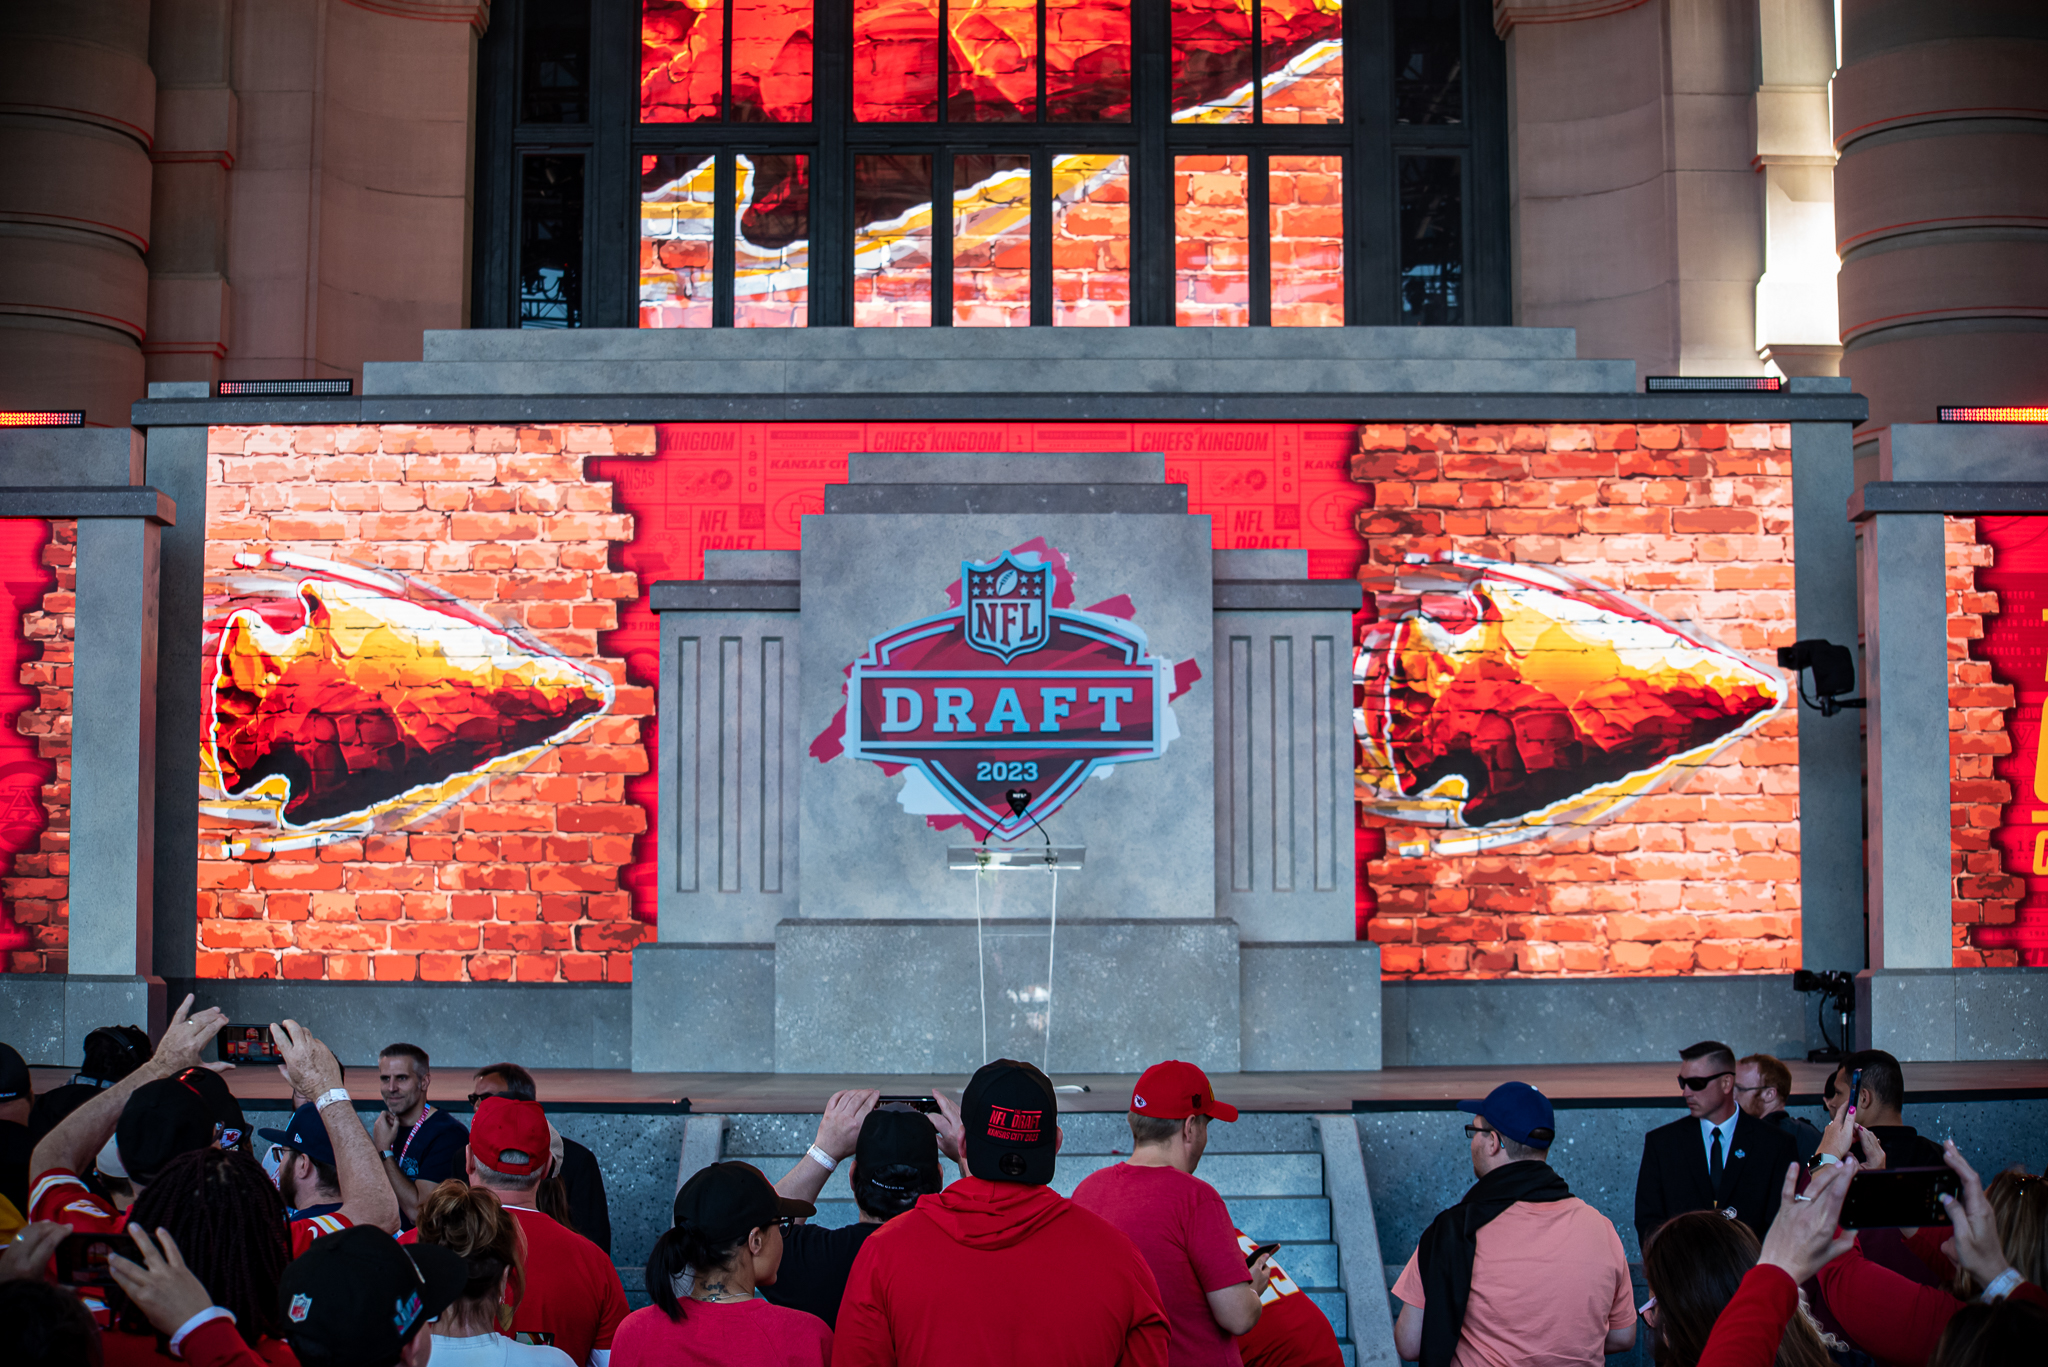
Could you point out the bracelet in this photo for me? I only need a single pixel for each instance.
(1827, 1160)
(821, 1158)
(2002, 1285)
(332, 1096)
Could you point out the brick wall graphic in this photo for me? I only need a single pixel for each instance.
(36, 579)
(1650, 824)
(1998, 687)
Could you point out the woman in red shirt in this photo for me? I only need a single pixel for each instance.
(702, 1276)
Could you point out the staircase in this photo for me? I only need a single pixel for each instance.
(1267, 1167)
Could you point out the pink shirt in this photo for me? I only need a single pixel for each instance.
(1183, 1230)
(742, 1334)
(1549, 1280)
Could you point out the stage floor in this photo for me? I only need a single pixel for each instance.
(1394, 1089)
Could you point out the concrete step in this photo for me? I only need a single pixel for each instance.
(1312, 1264)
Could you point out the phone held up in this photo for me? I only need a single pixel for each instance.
(1899, 1198)
(246, 1044)
(1262, 1251)
(82, 1260)
(929, 1105)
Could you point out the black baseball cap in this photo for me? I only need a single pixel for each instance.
(307, 1133)
(1009, 1117)
(357, 1296)
(227, 1112)
(14, 1079)
(894, 1138)
(728, 1200)
(162, 1120)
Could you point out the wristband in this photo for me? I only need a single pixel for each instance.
(332, 1096)
(206, 1316)
(2002, 1285)
(1827, 1160)
(821, 1158)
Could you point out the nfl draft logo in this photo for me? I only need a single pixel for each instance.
(1006, 691)
(1009, 607)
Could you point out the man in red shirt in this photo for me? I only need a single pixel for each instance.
(1177, 1220)
(998, 1267)
(169, 1118)
(570, 1295)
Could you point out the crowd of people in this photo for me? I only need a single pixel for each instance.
(138, 1223)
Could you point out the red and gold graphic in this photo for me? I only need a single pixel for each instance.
(367, 708)
(1501, 702)
(1998, 695)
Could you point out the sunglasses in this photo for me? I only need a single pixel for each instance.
(475, 1097)
(1699, 1084)
(1472, 1131)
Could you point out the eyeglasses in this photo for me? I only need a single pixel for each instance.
(1699, 1084)
(1472, 1130)
(1740, 1088)
(475, 1097)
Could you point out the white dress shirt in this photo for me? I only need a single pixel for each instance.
(1727, 1132)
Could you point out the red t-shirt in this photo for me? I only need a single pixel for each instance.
(62, 1195)
(570, 1296)
(305, 1231)
(140, 1350)
(991, 1273)
(1292, 1330)
(1181, 1226)
(744, 1334)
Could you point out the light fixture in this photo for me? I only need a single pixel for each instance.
(278, 389)
(1664, 384)
(41, 417)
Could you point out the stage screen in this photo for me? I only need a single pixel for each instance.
(1998, 685)
(430, 679)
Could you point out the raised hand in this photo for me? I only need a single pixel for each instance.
(25, 1258)
(161, 1286)
(839, 1127)
(184, 1038)
(1804, 1237)
(947, 1123)
(1976, 1247)
(308, 1064)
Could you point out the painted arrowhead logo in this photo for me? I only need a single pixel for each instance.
(341, 703)
(1502, 701)
(1006, 691)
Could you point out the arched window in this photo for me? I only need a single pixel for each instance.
(990, 163)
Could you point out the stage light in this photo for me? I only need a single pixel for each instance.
(1835, 987)
(277, 389)
(41, 417)
(2020, 413)
(1834, 673)
(1661, 384)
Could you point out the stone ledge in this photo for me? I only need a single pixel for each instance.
(727, 595)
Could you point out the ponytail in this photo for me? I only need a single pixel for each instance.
(679, 1251)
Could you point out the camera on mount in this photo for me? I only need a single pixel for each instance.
(1834, 673)
(1837, 988)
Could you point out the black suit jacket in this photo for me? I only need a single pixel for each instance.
(1673, 1178)
(584, 1185)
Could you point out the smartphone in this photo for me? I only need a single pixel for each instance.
(929, 1105)
(1899, 1198)
(82, 1259)
(246, 1044)
(1855, 1089)
(1262, 1251)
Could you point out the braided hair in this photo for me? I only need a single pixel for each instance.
(231, 1228)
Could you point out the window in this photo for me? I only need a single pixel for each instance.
(990, 163)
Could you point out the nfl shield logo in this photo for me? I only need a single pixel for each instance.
(1008, 606)
(302, 1306)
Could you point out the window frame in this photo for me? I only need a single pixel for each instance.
(1370, 142)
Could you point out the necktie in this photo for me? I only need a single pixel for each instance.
(1714, 1161)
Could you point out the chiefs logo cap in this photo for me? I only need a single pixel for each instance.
(1174, 1091)
(1009, 1124)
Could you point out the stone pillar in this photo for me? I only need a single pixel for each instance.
(1941, 189)
(191, 50)
(1797, 329)
(1830, 748)
(74, 205)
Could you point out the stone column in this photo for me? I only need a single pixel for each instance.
(1796, 324)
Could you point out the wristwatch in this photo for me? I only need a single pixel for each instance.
(388, 1156)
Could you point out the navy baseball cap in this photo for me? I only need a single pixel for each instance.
(1518, 1111)
(307, 1134)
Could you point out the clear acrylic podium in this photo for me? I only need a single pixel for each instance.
(1016, 920)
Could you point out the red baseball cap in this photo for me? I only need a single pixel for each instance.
(504, 1124)
(1174, 1091)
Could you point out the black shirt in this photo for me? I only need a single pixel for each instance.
(15, 1150)
(1800, 1129)
(434, 1153)
(815, 1265)
(1905, 1147)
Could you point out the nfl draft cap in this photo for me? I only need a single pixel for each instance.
(1174, 1091)
(504, 1126)
(357, 1295)
(227, 1112)
(1009, 1124)
(307, 1133)
(162, 1120)
(1518, 1111)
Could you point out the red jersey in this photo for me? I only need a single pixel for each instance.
(216, 1343)
(1292, 1330)
(305, 1231)
(62, 1195)
(570, 1297)
(997, 1272)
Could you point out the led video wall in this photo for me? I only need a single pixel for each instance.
(430, 673)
